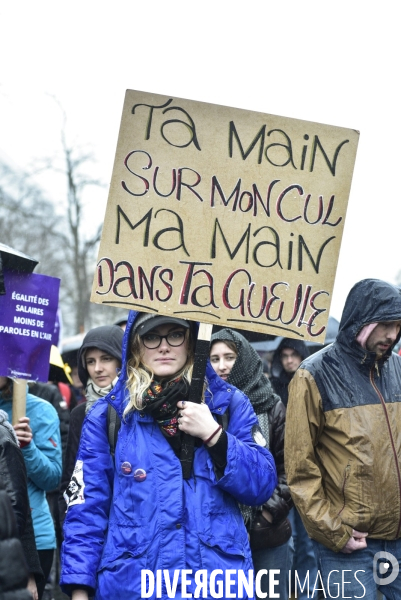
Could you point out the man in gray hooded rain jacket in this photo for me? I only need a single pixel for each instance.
(343, 447)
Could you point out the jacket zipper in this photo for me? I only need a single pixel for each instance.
(392, 442)
(346, 475)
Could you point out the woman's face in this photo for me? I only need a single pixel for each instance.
(165, 361)
(102, 367)
(222, 359)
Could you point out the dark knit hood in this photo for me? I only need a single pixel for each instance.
(108, 338)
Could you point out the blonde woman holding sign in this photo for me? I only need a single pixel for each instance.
(136, 528)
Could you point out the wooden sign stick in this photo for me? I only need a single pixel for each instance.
(202, 350)
(19, 399)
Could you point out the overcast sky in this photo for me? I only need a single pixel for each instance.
(331, 62)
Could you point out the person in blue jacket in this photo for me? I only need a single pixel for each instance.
(38, 435)
(135, 527)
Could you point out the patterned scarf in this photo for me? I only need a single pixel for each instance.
(93, 392)
(160, 401)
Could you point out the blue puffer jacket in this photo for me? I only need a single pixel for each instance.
(118, 525)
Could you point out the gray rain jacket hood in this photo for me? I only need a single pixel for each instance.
(369, 301)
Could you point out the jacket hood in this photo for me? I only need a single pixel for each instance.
(297, 345)
(369, 301)
(108, 338)
(132, 315)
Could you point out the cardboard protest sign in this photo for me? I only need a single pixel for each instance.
(226, 216)
(27, 321)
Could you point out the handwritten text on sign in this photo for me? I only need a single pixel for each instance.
(225, 216)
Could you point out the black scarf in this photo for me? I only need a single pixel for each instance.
(160, 401)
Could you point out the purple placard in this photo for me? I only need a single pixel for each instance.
(27, 319)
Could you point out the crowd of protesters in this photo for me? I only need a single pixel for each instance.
(291, 468)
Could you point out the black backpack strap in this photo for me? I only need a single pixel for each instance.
(223, 419)
(113, 425)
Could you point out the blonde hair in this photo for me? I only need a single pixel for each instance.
(140, 376)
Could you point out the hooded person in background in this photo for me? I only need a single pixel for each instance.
(235, 361)
(343, 446)
(286, 360)
(99, 360)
